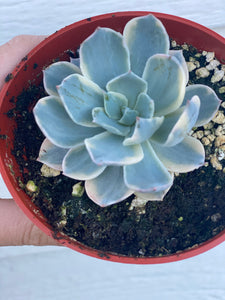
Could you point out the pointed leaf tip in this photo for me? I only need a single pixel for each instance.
(209, 102)
(145, 36)
(166, 83)
(104, 56)
(77, 164)
(55, 73)
(148, 175)
(108, 188)
(177, 124)
(183, 157)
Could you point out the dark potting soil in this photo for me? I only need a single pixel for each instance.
(192, 212)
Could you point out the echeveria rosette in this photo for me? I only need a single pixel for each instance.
(120, 121)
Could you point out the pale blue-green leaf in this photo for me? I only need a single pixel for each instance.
(145, 106)
(103, 56)
(183, 157)
(101, 118)
(51, 155)
(209, 102)
(77, 164)
(57, 126)
(178, 54)
(108, 188)
(129, 116)
(128, 84)
(166, 83)
(55, 73)
(144, 129)
(113, 102)
(79, 96)
(145, 36)
(75, 61)
(108, 149)
(154, 196)
(148, 175)
(177, 124)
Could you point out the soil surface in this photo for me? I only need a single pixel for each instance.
(192, 212)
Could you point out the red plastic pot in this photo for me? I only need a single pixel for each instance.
(54, 46)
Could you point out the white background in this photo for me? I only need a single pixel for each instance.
(53, 273)
(45, 17)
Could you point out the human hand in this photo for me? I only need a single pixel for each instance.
(15, 227)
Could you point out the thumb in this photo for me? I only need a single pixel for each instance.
(15, 227)
(14, 50)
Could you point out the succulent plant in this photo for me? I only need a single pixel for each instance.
(119, 117)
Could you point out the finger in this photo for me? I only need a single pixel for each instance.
(14, 50)
(16, 229)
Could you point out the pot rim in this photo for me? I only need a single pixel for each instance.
(40, 220)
